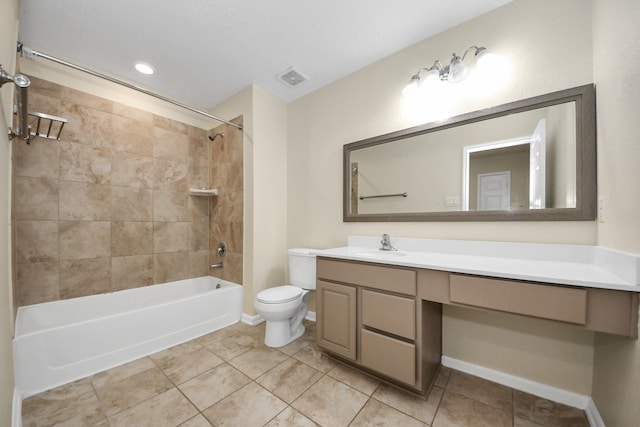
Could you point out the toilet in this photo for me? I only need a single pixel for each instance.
(285, 307)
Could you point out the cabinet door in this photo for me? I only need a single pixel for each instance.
(336, 318)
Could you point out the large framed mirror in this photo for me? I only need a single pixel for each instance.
(529, 160)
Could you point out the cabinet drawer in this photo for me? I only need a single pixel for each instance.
(547, 302)
(389, 313)
(391, 357)
(369, 275)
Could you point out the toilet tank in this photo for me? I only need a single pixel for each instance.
(302, 268)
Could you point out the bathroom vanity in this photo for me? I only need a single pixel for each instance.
(382, 310)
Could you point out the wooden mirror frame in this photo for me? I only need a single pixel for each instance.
(585, 210)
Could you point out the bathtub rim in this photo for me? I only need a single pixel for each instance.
(19, 327)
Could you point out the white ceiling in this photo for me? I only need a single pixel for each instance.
(206, 50)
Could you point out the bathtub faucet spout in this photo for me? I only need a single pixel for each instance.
(218, 265)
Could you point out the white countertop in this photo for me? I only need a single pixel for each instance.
(577, 265)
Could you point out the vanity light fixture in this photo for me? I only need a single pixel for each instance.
(144, 68)
(455, 72)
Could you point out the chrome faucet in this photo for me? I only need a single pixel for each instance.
(386, 243)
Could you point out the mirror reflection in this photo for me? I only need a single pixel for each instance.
(523, 159)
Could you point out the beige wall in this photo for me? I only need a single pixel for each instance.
(8, 39)
(616, 378)
(369, 103)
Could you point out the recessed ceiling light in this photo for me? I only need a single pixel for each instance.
(144, 68)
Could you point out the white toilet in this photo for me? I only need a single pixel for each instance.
(284, 307)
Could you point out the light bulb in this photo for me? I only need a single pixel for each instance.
(457, 70)
(412, 88)
(144, 68)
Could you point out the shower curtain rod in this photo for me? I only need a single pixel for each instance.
(31, 54)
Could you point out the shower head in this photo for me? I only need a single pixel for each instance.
(215, 135)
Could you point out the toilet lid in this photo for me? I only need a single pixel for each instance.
(279, 294)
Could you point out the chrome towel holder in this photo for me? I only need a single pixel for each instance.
(384, 195)
(41, 120)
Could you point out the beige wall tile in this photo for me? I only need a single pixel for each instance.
(170, 236)
(219, 179)
(232, 270)
(228, 232)
(37, 283)
(132, 113)
(131, 170)
(37, 241)
(132, 136)
(43, 87)
(37, 159)
(199, 234)
(131, 238)
(82, 163)
(170, 266)
(170, 206)
(131, 204)
(81, 277)
(79, 200)
(131, 272)
(170, 176)
(199, 263)
(199, 177)
(170, 125)
(229, 206)
(85, 239)
(88, 200)
(43, 104)
(199, 207)
(35, 198)
(170, 145)
(86, 125)
(220, 150)
(233, 171)
(74, 96)
(198, 158)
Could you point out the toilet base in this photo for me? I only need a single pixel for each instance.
(278, 333)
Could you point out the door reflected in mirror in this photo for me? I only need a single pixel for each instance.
(526, 160)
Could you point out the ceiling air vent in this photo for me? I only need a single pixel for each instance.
(292, 77)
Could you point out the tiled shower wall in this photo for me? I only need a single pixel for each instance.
(107, 208)
(226, 223)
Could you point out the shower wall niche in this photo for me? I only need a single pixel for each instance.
(107, 207)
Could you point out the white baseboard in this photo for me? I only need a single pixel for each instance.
(16, 409)
(595, 420)
(251, 320)
(554, 394)
(311, 316)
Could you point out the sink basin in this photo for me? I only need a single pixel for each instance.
(380, 254)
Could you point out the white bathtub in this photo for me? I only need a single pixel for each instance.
(62, 341)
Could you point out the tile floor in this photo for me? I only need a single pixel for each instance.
(229, 378)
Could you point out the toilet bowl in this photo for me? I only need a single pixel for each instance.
(285, 307)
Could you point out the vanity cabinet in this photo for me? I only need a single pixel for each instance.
(387, 320)
(368, 315)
